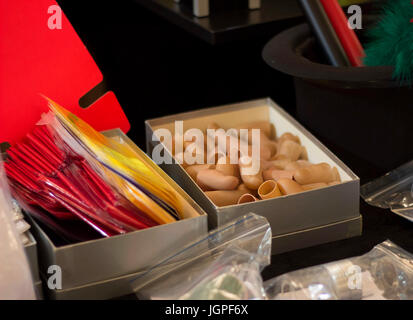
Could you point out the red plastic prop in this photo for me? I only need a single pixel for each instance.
(36, 57)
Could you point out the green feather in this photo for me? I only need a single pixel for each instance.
(391, 40)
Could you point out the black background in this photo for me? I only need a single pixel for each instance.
(156, 69)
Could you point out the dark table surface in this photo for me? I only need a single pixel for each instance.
(157, 68)
(228, 25)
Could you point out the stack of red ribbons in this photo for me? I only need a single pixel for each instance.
(62, 183)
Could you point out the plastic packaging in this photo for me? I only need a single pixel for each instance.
(65, 173)
(384, 273)
(224, 265)
(21, 225)
(119, 158)
(392, 191)
(67, 140)
(64, 184)
(15, 275)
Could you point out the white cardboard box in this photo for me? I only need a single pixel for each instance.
(297, 221)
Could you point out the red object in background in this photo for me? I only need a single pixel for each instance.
(347, 36)
(35, 60)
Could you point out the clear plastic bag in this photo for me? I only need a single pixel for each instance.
(384, 273)
(21, 225)
(224, 265)
(15, 275)
(392, 191)
(60, 183)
